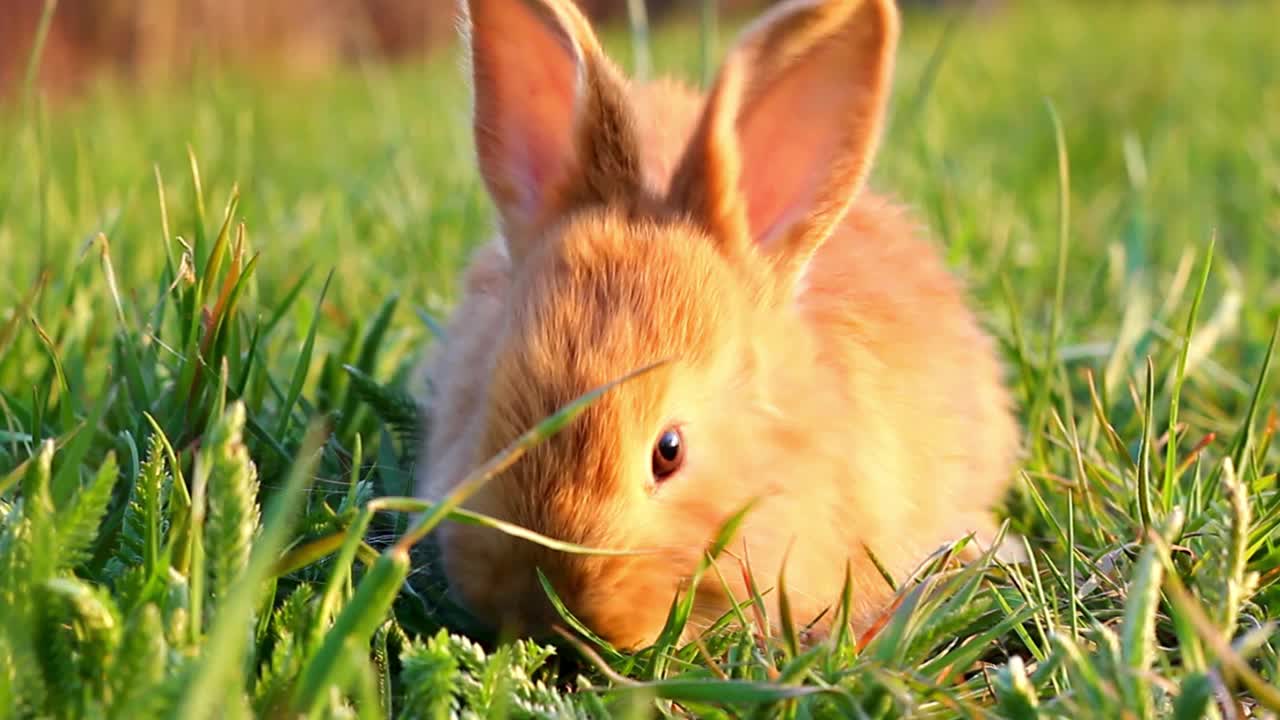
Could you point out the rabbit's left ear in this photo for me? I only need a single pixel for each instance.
(553, 127)
(790, 128)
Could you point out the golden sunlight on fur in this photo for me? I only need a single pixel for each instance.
(825, 360)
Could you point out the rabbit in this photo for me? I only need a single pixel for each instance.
(822, 359)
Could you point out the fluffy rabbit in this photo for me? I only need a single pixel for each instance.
(824, 359)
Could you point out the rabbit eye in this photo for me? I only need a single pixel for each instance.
(668, 454)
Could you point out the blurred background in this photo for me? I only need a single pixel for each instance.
(166, 39)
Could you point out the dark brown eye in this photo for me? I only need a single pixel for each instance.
(668, 454)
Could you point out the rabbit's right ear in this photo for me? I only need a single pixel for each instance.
(790, 129)
(553, 128)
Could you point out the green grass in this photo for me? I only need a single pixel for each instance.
(179, 358)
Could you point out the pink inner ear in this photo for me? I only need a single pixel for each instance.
(526, 76)
(792, 135)
(543, 143)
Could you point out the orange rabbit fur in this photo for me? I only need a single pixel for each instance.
(824, 359)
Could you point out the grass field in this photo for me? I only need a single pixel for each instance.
(211, 297)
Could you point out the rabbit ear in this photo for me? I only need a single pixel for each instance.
(552, 124)
(790, 128)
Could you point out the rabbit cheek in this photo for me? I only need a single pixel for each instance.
(474, 565)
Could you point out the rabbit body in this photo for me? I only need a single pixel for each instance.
(825, 363)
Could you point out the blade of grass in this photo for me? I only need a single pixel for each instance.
(1171, 449)
(1041, 401)
(303, 364)
(1144, 449)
